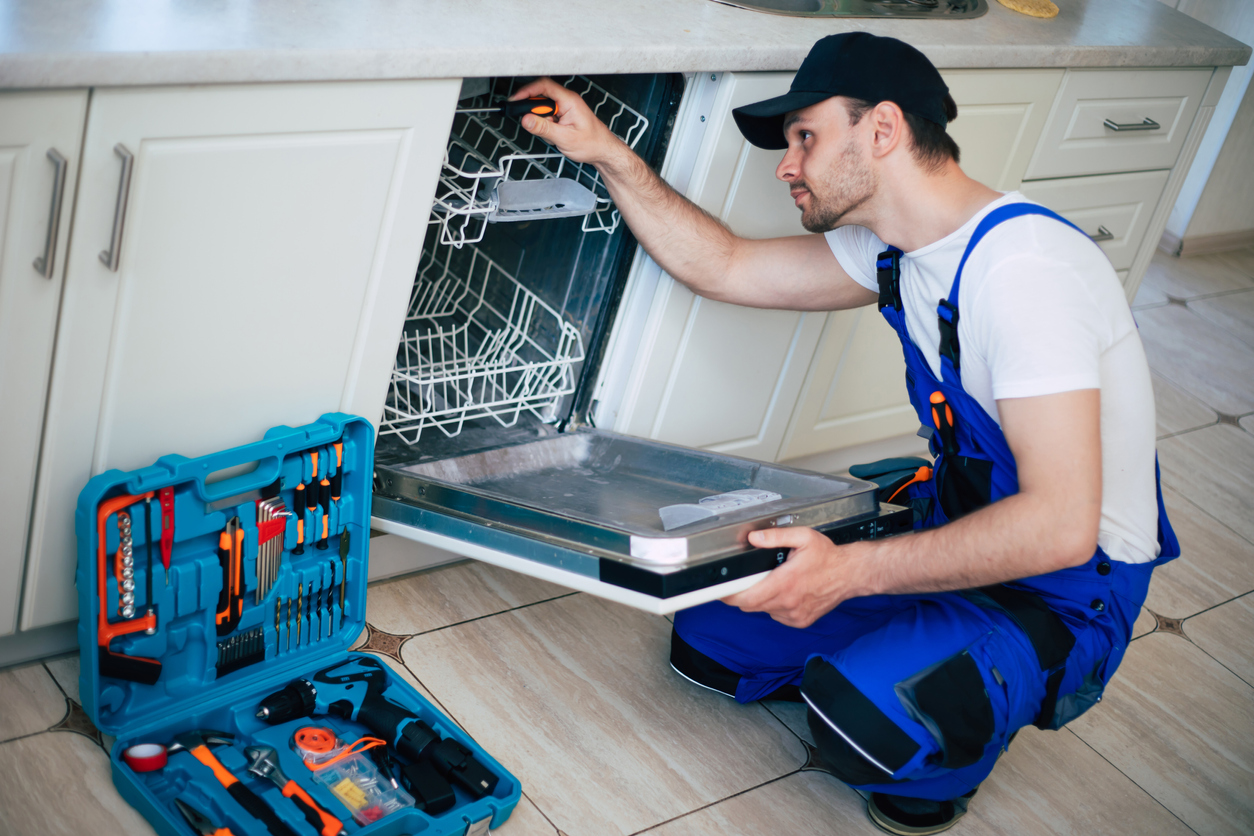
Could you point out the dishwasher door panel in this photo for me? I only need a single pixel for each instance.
(656, 526)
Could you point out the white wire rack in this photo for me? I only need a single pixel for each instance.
(477, 344)
(488, 148)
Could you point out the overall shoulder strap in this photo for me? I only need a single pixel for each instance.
(947, 311)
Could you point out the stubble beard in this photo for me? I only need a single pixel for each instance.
(848, 186)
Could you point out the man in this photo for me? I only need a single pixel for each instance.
(920, 656)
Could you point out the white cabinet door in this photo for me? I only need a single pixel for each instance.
(855, 389)
(1001, 114)
(40, 134)
(714, 375)
(268, 241)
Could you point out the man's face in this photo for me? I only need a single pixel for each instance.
(826, 166)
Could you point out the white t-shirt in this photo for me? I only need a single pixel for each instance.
(1041, 312)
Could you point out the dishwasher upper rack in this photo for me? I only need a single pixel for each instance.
(476, 344)
(484, 149)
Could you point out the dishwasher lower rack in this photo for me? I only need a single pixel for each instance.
(486, 150)
(476, 344)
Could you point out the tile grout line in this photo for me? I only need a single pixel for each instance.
(1184, 387)
(489, 615)
(1133, 781)
(25, 736)
(53, 676)
(1200, 297)
(714, 803)
(1179, 433)
(462, 725)
(785, 725)
(556, 829)
(1207, 652)
(1208, 515)
(1224, 328)
(1217, 606)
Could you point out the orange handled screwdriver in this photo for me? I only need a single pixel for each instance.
(230, 545)
(943, 418)
(324, 499)
(539, 105)
(337, 479)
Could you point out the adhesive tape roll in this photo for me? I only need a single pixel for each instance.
(145, 757)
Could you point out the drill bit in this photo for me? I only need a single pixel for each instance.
(344, 544)
(300, 594)
(289, 625)
(278, 614)
(330, 602)
(315, 609)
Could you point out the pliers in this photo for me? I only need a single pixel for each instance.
(199, 822)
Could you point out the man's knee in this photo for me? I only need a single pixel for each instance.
(862, 744)
(859, 743)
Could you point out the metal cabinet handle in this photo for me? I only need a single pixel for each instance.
(60, 165)
(112, 255)
(1103, 234)
(1147, 124)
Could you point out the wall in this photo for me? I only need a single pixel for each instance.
(1226, 209)
(1236, 19)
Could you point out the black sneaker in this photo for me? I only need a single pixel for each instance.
(915, 816)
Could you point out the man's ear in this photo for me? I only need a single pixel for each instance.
(888, 125)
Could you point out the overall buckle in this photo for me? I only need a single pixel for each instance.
(888, 274)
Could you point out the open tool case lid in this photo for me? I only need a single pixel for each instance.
(185, 639)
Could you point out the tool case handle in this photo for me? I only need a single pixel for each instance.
(267, 454)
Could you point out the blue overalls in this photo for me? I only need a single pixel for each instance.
(917, 695)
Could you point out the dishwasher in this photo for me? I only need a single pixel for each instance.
(487, 444)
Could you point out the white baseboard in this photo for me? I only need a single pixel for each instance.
(391, 556)
(1203, 244)
(38, 644)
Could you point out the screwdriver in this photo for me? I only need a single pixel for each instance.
(337, 479)
(943, 418)
(539, 105)
(324, 499)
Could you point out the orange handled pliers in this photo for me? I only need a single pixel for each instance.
(199, 822)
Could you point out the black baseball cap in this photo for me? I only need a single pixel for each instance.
(855, 64)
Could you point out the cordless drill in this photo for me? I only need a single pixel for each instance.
(353, 690)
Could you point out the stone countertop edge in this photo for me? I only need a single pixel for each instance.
(93, 43)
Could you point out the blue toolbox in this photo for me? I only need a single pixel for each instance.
(218, 598)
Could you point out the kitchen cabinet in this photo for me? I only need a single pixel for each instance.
(242, 258)
(1114, 209)
(40, 134)
(1115, 151)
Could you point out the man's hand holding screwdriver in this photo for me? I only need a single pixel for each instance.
(576, 131)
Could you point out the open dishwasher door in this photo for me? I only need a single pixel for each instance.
(655, 526)
(501, 349)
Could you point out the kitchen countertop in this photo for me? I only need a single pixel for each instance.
(81, 43)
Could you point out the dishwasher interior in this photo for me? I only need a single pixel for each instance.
(485, 444)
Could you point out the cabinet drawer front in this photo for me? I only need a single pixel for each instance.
(1118, 205)
(1078, 138)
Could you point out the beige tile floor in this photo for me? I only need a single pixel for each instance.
(574, 695)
